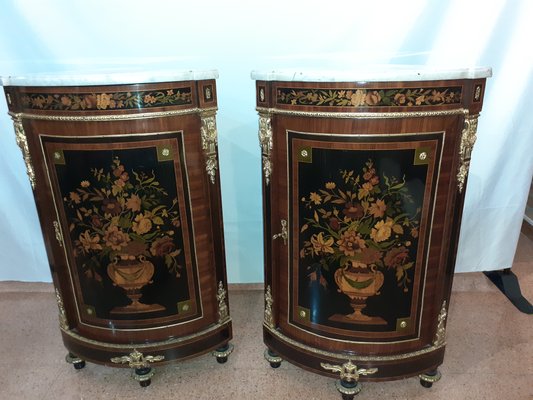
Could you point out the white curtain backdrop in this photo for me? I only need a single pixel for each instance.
(238, 36)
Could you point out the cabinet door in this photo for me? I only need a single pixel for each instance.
(125, 212)
(366, 217)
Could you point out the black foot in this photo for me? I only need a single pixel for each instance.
(222, 353)
(77, 362)
(428, 379)
(426, 384)
(143, 376)
(273, 359)
(79, 365)
(348, 396)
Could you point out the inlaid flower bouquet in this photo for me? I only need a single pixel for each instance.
(122, 214)
(357, 227)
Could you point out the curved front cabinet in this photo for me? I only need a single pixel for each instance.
(127, 191)
(362, 209)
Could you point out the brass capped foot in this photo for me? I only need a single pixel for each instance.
(77, 362)
(427, 380)
(222, 353)
(348, 389)
(273, 358)
(143, 376)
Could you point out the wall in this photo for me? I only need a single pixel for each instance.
(238, 36)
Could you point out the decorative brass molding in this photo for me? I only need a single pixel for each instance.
(284, 234)
(266, 142)
(167, 342)
(363, 115)
(59, 236)
(440, 335)
(209, 142)
(114, 117)
(63, 323)
(23, 144)
(269, 317)
(330, 354)
(223, 313)
(137, 360)
(468, 138)
(430, 378)
(349, 371)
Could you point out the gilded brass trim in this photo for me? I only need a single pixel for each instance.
(338, 356)
(363, 115)
(209, 142)
(349, 371)
(63, 322)
(440, 335)
(266, 143)
(468, 138)
(223, 313)
(269, 316)
(136, 359)
(167, 342)
(114, 117)
(22, 142)
(59, 236)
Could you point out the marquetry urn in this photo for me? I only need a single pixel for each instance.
(364, 176)
(125, 174)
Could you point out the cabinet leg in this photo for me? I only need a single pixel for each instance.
(273, 358)
(348, 389)
(77, 362)
(143, 375)
(429, 378)
(223, 352)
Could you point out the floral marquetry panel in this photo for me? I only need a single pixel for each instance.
(127, 192)
(363, 228)
(127, 211)
(363, 189)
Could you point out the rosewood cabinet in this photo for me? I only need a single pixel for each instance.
(364, 175)
(125, 176)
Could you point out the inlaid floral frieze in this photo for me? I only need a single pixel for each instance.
(107, 100)
(400, 97)
(358, 222)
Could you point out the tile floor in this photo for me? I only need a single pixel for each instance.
(489, 354)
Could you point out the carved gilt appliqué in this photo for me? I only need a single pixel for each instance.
(265, 141)
(23, 144)
(63, 323)
(209, 143)
(269, 317)
(223, 313)
(440, 336)
(468, 138)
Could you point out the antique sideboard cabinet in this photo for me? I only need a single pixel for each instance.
(124, 171)
(364, 175)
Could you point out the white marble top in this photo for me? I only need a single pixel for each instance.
(106, 77)
(374, 73)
